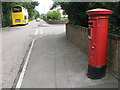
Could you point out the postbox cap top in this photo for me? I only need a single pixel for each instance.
(99, 11)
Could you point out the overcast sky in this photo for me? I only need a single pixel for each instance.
(44, 6)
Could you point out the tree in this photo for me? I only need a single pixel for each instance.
(76, 12)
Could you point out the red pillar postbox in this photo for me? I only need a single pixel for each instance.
(98, 29)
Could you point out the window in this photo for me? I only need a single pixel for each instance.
(16, 9)
(25, 17)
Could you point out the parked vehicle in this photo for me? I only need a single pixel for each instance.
(38, 20)
(19, 15)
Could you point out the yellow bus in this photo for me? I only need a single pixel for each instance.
(19, 15)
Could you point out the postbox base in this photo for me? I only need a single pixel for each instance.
(97, 72)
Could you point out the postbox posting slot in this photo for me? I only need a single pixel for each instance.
(91, 25)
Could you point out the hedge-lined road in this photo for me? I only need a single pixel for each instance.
(15, 42)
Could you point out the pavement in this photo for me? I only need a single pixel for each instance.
(54, 62)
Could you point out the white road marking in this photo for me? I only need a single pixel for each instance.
(25, 66)
(36, 31)
(64, 30)
(41, 32)
(21, 77)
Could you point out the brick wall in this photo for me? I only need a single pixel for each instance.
(79, 36)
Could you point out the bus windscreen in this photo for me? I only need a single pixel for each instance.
(16, 9)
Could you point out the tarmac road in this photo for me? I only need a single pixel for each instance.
(15, 42)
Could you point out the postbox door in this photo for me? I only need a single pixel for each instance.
(92, 42)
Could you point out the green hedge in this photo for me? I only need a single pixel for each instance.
(53, 15)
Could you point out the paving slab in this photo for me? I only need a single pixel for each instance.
(57, 63)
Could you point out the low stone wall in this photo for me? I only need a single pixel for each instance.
(113, 53)
(57, 21)
(79, 36)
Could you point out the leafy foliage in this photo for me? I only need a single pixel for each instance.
(53, 15)
(6, 10)
(76, 12)
(43, 16)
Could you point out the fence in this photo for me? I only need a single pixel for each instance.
(79, 36)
